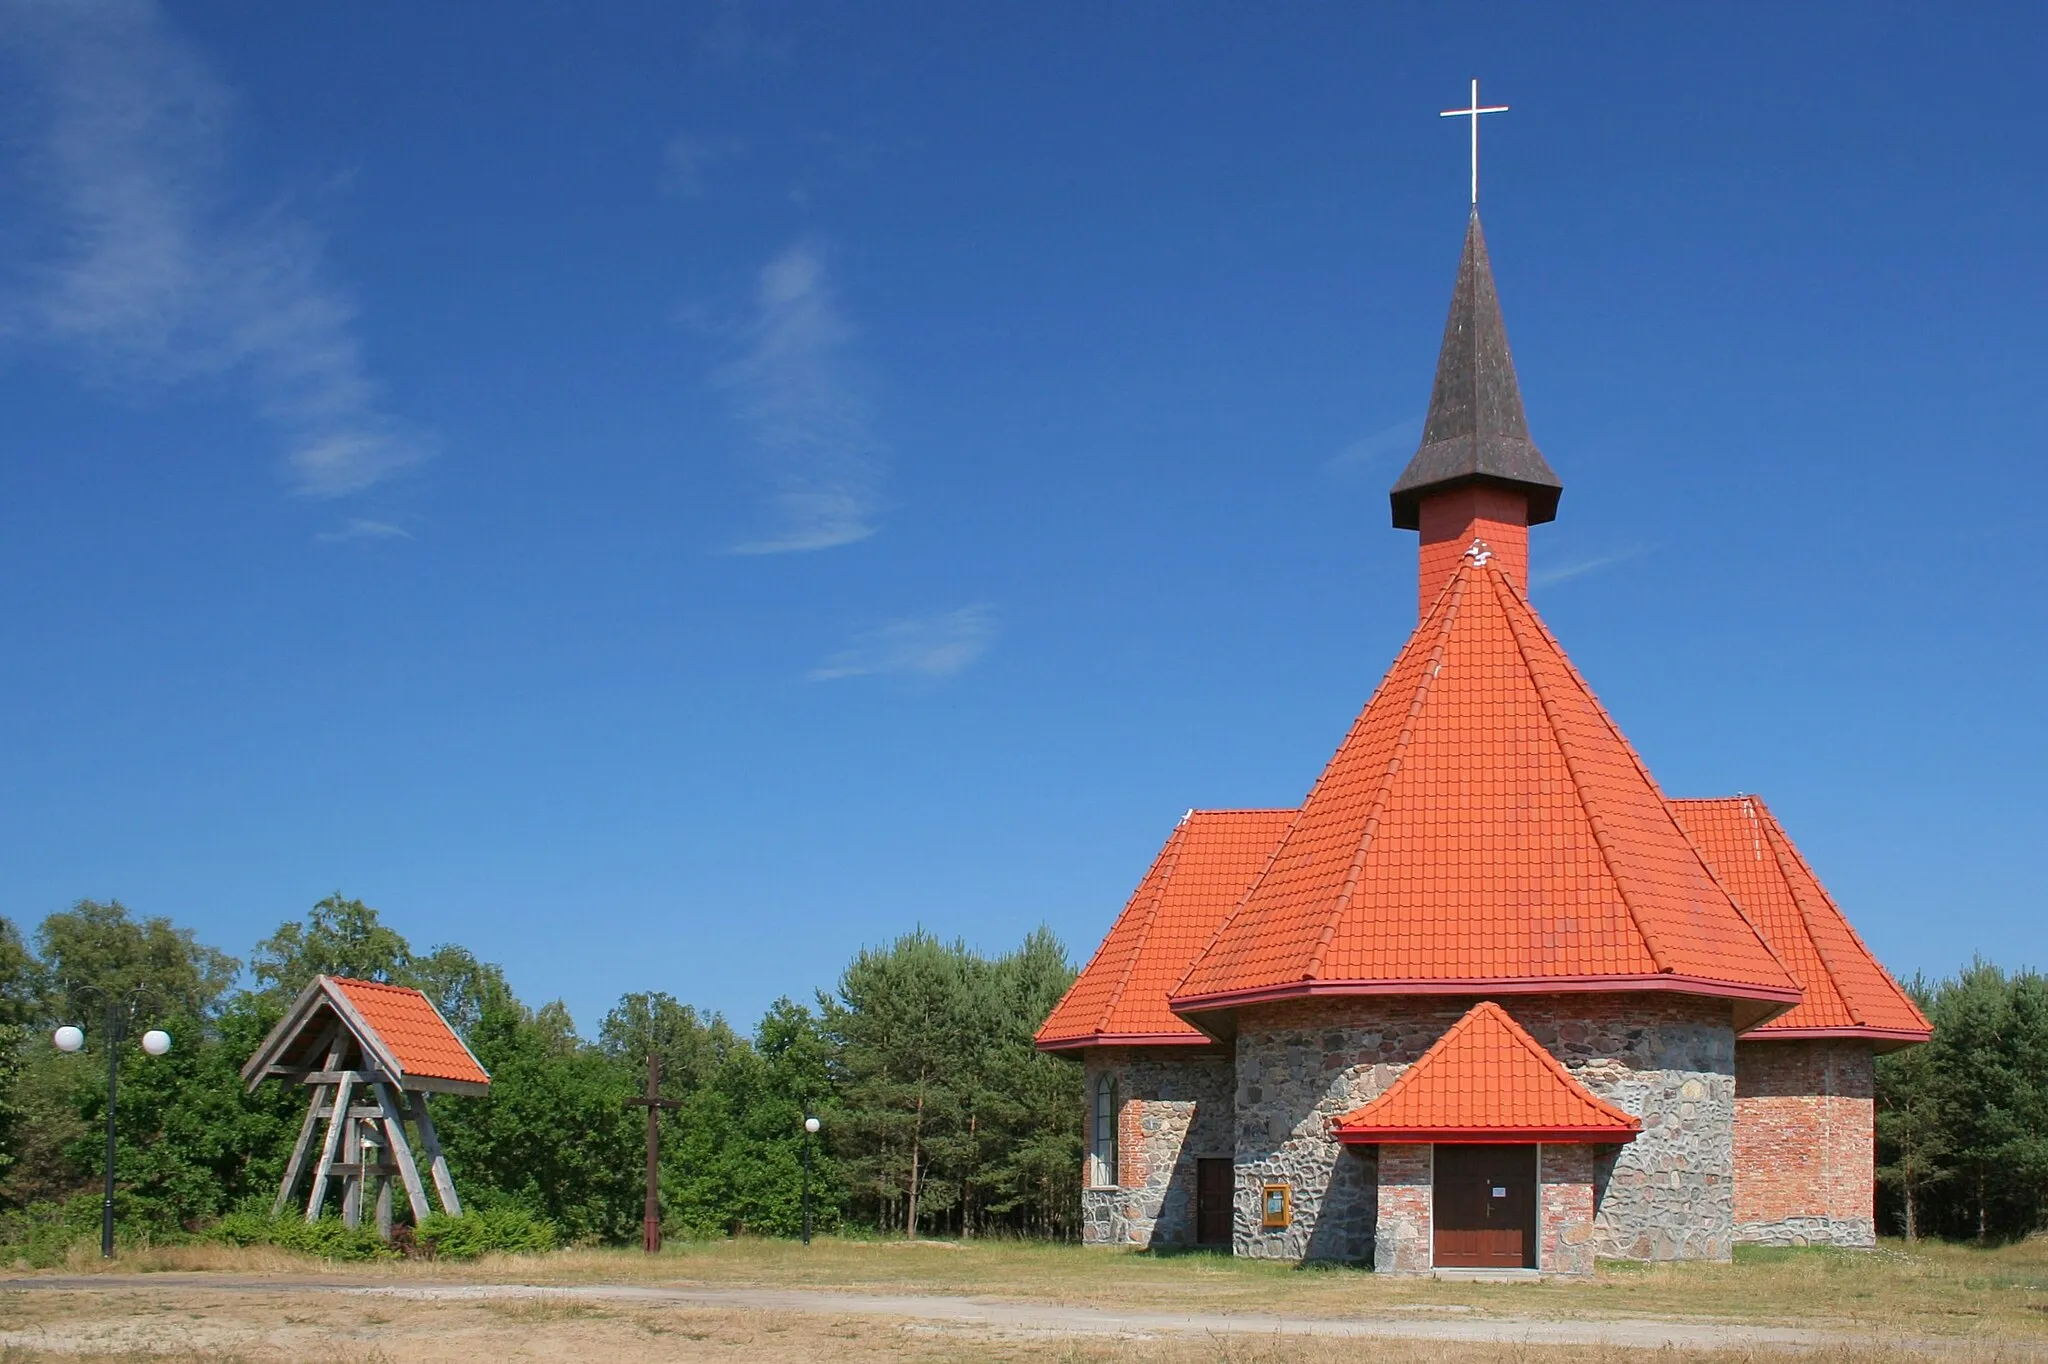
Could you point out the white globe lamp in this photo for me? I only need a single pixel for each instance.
(68, 1038)
(811, 1125)
(156, 1041)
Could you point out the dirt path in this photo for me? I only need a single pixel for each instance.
(1444, 1325)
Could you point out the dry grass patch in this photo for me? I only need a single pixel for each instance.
(1928, 1290)
(170, 1324)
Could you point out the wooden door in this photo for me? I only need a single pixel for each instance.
(1215, 1191)
(1486, 1207)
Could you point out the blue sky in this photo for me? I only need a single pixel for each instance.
(664, 495)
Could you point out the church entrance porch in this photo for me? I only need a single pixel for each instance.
(1485, 1207)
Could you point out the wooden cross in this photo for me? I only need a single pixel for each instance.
(1473, 113)
(650, 1219)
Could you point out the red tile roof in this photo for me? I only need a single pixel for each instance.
(1486, 1080)
(1486, 825)
(1201, 873)
(1848, 993)
(412, 1030)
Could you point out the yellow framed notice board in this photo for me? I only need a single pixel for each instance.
(1276, 1205)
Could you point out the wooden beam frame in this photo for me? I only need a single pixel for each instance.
(401, 1151)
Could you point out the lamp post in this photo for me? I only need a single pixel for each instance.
(810, 1130)
(120, 1012)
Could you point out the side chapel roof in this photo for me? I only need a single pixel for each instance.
(1487, 1080)
(1485, 826)
(1120, 996)
(397, 1030)
(1848, 992)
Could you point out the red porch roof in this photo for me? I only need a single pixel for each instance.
(1487, 1080)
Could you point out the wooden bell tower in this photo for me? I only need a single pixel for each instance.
(370, 1053)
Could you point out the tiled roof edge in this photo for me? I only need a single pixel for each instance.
(1619, 983)
(1170, 857)
(1791, 850)
(1430, 670)
(1602, 837)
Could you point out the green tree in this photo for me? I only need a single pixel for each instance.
(336, 938)
(102, 945)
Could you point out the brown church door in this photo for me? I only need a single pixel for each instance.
(1486, 1207)
(1215, 1189)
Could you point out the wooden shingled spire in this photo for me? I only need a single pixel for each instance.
(370, 1053)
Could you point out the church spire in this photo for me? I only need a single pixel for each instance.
(1476, 432)
(1478, 482)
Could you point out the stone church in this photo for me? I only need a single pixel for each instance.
(1489, 998)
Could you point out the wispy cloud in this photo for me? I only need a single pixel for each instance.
(1579, 568)
(927, 646)
(142, 265)
(1377, 446)
(363, 528)
(795, 392)
(686, 159)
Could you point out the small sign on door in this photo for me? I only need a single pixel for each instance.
(1499, 1192)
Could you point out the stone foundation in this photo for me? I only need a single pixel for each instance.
(1803, 1143)
(1668, 1059)
(1174, 1109)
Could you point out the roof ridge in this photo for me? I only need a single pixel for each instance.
(1287, 835)
(1602, 837)
(1169, 857)
(1455, 589)
(1272, 855)
(1741, 911)
(1772, 837)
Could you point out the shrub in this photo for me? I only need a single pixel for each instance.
(328, 1238)
(501, 1231)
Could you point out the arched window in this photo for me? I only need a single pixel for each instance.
(1102, 1156)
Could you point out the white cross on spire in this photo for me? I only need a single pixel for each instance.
(1473, 113)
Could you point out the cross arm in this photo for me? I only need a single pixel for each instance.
(654, 1103)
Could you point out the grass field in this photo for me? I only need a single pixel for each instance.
(1980, 1305)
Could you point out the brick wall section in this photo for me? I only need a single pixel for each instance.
(1452, 520)
(1564, 1195)
(1401, 1241)
(1803, 1143)
(1174, 1109)
(1667, 1059)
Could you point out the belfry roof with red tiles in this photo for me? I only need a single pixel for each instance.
(1486, 1080)
(1847, 993)
(1208, 862)
(396, 1031)
(1484, 827)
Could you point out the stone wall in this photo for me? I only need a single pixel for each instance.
(1174, 1109)
(1803, 1143)
(1668, 1059)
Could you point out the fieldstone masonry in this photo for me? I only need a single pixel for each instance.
(1175, 1109)
(1668, 1059)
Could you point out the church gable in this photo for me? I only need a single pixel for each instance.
(1486, 1080)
